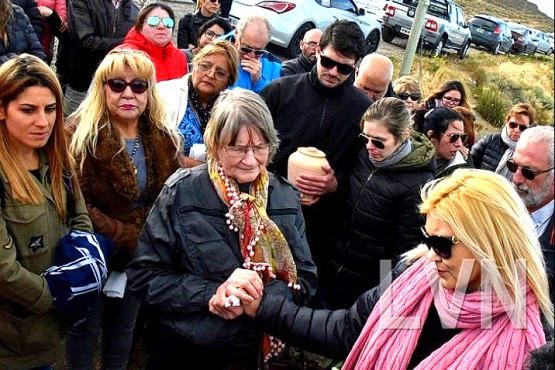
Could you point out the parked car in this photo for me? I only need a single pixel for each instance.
(290, 19)
(491, 33)
(445, 26)
(374, 7)
(543, 45)
(522, 36)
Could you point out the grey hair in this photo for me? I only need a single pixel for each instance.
(540, 134)
(233, 110)
(251, 19)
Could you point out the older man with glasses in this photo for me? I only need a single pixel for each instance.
(257, 65)
(322, 109)
(533, 178)
(307, 59)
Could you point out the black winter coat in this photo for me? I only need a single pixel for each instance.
(382, 219)
(189, 24)
(30, 7)
(95, 27)
(21, 38)
(488, 151)
(298, 65)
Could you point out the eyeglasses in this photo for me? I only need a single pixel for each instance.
(216, 1)
(452, 100)
(118, 85)
(211, 34)
(377, 143)
(514, 125)
(440, 244)
(328, 63)
(240, 151)
(405, 96)
(454, 137)
(248, 50)
(154, 21)
(219, 74)
(311, 44)
(525, 171)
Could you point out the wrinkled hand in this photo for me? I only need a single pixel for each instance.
(251, 308)
(253, 66)
(244, 284)
(316, 185)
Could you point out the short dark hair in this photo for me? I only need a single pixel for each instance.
(146, 9)
(439, 119)
(345, 37)
(226, 26)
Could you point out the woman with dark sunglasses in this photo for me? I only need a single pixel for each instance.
(152, 34)
(493, 151)
(407, 89)
(189, 24)
(445, 129)
(124, 151)
(473, 295)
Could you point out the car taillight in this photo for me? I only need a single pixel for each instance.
(431, 25)
(277, 6)
(497, 30)
(389, 11)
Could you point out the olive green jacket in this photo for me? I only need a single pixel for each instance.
(30, 329)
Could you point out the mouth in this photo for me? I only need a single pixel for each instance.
(128, 106)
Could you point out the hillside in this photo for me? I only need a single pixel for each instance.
(520, 11)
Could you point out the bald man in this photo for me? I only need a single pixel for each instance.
(306, 60)
(373, 76)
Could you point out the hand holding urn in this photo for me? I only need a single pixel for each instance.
(306, 160)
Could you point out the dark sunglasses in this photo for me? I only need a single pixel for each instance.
(405, 96)
(377, 143)
(216, 1)
(153, 21)
(440, 244)
(454, 137)
(525, 171)
(257, 52)
(119, 85)
(329, 63)
(514, 125)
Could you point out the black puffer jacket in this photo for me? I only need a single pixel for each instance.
(189, 24)
(382, 219)
(488, 151)
(298, 65)
(96, 27)
(31, 9)
(21, 37)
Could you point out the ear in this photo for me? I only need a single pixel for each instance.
(406, 134)
(430, 134)
(2, 111)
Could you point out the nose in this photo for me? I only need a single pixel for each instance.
(249, 156)
(42, 120)
(431, 255)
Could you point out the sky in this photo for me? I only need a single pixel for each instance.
(545, 6)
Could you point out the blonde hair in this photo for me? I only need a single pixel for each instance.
(486, 214)
(225, 48)
(92, 114)
(17, 75)
(233, 110)
(522, 109)
(404, 84)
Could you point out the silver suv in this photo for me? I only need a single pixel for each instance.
(445, 26)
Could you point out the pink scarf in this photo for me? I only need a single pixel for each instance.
(387, 343)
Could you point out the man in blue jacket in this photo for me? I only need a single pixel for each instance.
(258, 66)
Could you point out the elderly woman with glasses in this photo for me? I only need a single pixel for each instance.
(473, 296)
(152, 34)
(189, 24)
(125, 151)
(445, 129)
(213, 229)
(492, 151)
(190, 99)
(408, 90)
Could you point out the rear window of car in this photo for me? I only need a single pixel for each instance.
(485, 24)
(438, 8)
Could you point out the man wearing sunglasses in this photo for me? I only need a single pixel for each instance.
(533, 178)
(373, 76)
(307, 59)
(95, 27)
(257, 66)
(322, 109)
(445, 129)
(492, 151)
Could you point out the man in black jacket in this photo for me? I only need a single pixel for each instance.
(322, 109)
(307, 59)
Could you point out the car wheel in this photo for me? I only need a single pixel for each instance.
(464, 50)
(436, 52)
(372, 42)
(293, 50)
(495, 50)
(549, 52)
(388, 34)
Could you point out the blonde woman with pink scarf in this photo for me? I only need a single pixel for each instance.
(474, 295)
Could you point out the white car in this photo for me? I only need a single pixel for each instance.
(290, 19)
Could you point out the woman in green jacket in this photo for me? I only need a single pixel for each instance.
(34, 214)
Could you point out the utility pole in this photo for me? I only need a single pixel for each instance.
(414, 37)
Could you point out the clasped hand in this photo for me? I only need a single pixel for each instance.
(244, 284)
(316, 185)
